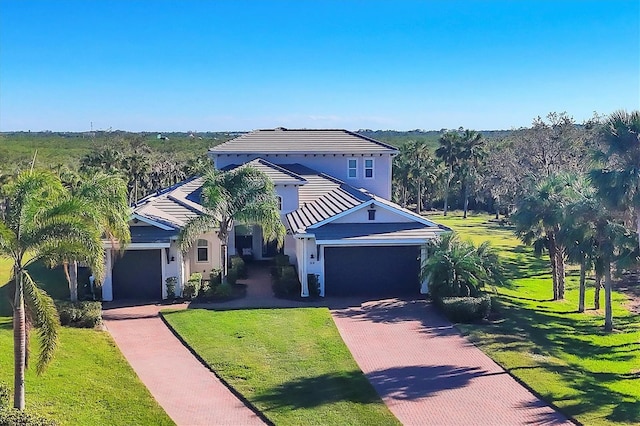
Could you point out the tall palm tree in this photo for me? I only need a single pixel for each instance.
(471, 154)
(540, 220)
(105, 195)
(244, 195)
(449, 153)
(617, 179)
(41, 219)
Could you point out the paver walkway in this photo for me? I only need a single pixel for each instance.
(428, 374)
(188, 392)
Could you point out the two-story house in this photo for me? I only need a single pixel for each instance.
(333, 187)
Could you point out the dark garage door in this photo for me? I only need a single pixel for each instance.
(372, 271)
(137, 274)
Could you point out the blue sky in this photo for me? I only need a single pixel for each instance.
(241, 65)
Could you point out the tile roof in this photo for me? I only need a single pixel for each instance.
(354, 232)
(302, 141)
(276, 173)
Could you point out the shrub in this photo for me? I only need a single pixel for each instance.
(215, 277)
(232, 276)
(465, 309)
(276, 271)
(287, 284)
(196, 276)
(237, 263)
(171, 287)
(313, 284)
(13, 417)
(192, 287)
(5, 395)
(223, 291)
(207, 291)
(281, 260)
(79, 314)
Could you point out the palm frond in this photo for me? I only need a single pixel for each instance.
(45, 317)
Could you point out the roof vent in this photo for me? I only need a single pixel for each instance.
(281, 129)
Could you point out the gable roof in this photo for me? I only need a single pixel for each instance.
(303, 141)
(277, 174)
(173, 206)
(365, 233)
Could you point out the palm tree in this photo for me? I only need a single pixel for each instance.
(618, 178)
(458, 268)
(540, 220)
(449, 154)
(106, 197)
(41, 219)
(471, 154)
(245, 195)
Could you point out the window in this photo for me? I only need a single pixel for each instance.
(368, 168)
(352, 171)
(279, 203)
(372, 214)
(203, 251)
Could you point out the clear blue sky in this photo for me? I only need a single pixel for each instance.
(241, 65)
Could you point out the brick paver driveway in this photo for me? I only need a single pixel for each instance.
(428, 374)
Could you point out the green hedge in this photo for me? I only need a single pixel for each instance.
(13, 417)
(79, 314)
(5, 395)
(465, 309)
(287, 283)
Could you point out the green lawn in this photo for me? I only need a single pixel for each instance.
(564, 356)
(290, 363)
(89, 382)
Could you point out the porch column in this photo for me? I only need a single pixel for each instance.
(424, 285)
(107, 283)
(181, 276)
(304, 268)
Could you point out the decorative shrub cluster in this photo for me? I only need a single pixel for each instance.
(465, 309)
(192, 286)
(171, 283)
(285, 277)
(314, 285)
(12, 417)
(86, 314)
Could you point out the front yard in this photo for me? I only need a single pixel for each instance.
(289, 363)
(88, 383)
(564, 356)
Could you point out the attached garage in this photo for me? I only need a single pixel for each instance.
(372, 270)
(137, 274)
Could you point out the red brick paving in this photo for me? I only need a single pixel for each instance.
(428, 374)
(187, 390)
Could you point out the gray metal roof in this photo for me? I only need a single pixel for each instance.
(151, 234)
(380, 232)
(277, 174)
(303, 141)
(321, 198)
(174, 206)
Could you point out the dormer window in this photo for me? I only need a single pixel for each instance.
(279, 203)
(368, 168)
(352, 168)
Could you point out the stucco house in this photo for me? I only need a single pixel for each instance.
(333, 188)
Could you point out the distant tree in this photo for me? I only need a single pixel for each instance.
(471, 156)
(242, 195)
(449, 152)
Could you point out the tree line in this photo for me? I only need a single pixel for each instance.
(572, 191)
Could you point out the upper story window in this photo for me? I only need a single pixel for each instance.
(279, 203)
(203, 251)
(352, 168)
(368, 168)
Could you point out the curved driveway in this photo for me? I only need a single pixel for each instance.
(428, 374)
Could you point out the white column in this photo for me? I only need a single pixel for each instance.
(424, 285)
(107, 283)
(321, 278)
(303, 270)
(181, 271)
(163, 261)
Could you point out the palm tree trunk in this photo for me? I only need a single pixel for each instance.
(553, 258)
(73, 280)
(446, 191)
(497, 201)
(419, 197)
(608, 314)
(583, 278)
(223, 262)
(466, 201)
(596, 294)
(561, 272)
(19, 342)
